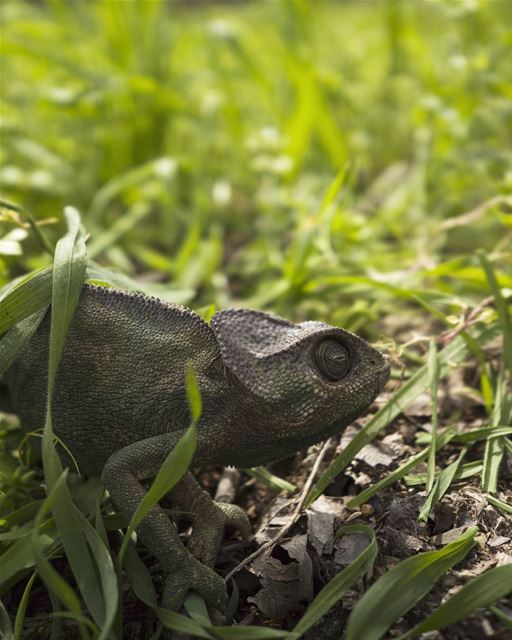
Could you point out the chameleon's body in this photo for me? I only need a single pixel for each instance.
(269, 388)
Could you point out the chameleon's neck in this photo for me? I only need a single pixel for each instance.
(260, 444)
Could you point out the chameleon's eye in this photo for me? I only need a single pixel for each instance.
(332, 359)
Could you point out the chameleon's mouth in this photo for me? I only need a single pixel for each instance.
(384, 372)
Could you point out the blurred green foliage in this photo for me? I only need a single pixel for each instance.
(301, 156)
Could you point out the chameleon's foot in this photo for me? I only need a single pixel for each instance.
(208, 519)
(195, 576)
(207, 530)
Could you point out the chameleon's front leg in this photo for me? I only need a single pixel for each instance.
(121, 475)
(208, 518)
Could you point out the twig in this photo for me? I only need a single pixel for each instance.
(284, 530)
(465, 322)
(226, 489)
(472, 216)
(32, 223)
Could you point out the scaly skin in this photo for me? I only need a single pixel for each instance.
(120, 405)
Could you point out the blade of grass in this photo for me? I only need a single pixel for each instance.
(18, 557)
(162, 168)
(196, 609)
(480, 592)
(106, 572)
(96, 582)
(16, 534)
(499, 504)
(99, 274)
(99, 524)
(119, 228)
(473, 345)
(234, 600)
(495, 447)
(242, 632)
(294, 268)
(140, 577)
(433, 379)
(53, 580)
(412, 579)
(5, 623)
(272, 481)
(31, 294)
(87, 560)
(465, 471)
(107, 278)
(485, 433)
(367, 283)
(441, 486)
(399, 473)
(69, 270)
(493, 455)
(68, 276)
(22, 608)
(194, 399)
(178, 622)
(501, 306)
(502, 617)
(12, 342)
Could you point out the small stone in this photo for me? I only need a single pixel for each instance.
(367, 511)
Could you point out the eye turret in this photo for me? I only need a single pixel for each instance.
(332, 359)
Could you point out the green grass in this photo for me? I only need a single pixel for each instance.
(349, 162)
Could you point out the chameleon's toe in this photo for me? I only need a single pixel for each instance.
(199, 578)
(235, 516)
(213, 589)
(206, 536)
(207, 533)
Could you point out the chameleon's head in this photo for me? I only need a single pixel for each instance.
(313, 375)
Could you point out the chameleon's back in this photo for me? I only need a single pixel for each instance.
(121, 376)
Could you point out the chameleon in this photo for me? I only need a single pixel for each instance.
(269, 388)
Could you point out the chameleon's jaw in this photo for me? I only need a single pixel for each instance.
(384, 373)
